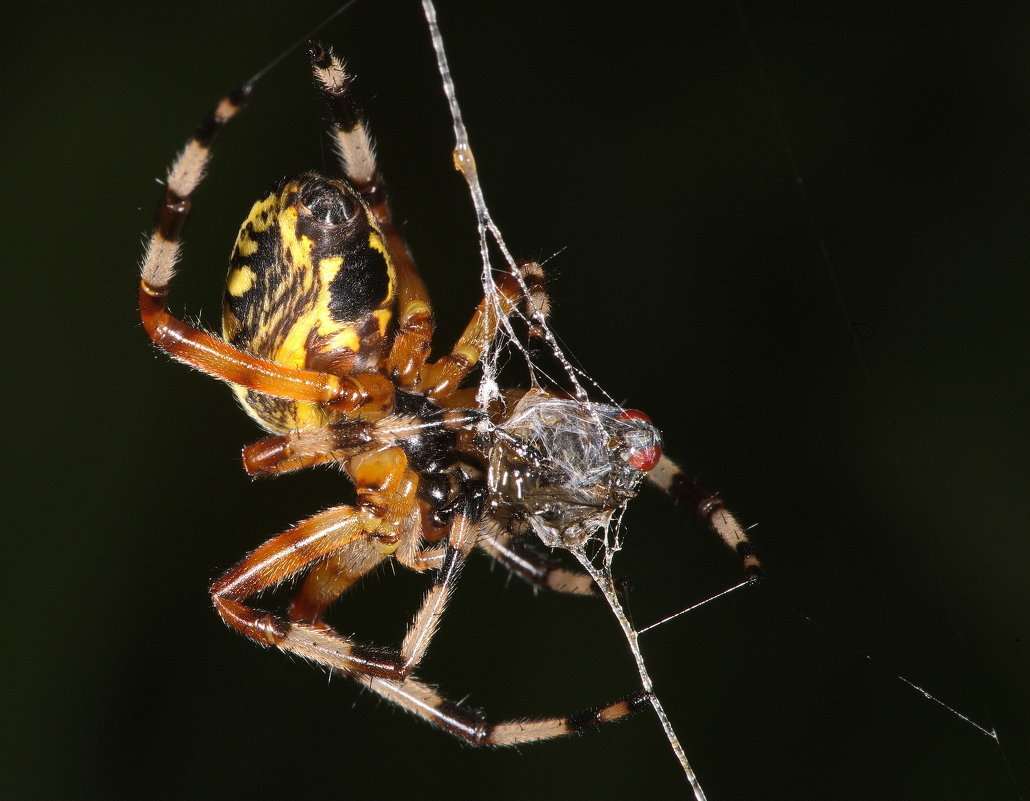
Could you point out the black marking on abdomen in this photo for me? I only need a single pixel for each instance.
(361, 285)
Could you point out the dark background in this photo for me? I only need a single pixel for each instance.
(888, 479)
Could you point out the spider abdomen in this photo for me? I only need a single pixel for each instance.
(310, 286)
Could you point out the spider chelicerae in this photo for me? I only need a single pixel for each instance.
(326, 337)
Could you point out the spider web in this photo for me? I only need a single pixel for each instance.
(490, 239)
(607, 539)
(496, 260)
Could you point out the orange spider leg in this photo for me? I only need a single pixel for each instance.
(339, 441)
(445, 375)
(215, 357)
(360, 537)
(323, 584)
(415, 327)
(332, 531)
(340, 546)
(331, 578)
(307, 447)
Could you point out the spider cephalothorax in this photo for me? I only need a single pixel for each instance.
(327, 329)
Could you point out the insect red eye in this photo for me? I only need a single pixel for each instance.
(646, 458)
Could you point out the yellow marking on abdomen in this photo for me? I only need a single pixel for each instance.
(383, 317)
(240, 281)
(328, 268)
(345, 338)
(246, 246)
(261, 216)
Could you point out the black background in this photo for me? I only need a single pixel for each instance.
(641, 148)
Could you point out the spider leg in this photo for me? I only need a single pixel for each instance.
(411, 345)
(472, 725)
(329, 579)
(341, 440)
(337, 548)
(709, 507)
(208, 353)
(308, 447)
(537, 304)
(354, 148)
(424, 625)
(335, 531)
(534, 567)
(357, 537)
(315, 640)
(445, 375)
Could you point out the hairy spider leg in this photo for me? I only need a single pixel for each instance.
(539, 569)
(330, 579)
(415, 328)
(473, 726)
(446, 374)
(354, 539)
(709, 508)
(340, 529)
(211, 354)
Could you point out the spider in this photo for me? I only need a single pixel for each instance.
(326, 338)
